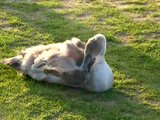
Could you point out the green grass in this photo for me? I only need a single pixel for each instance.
(133, 52)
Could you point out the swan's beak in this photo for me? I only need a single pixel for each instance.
(87, 63)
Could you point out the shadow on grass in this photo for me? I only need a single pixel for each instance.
(112, 104)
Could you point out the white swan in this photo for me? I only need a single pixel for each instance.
(99, 75)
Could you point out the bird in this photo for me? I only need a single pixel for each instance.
(54, 63)
(99, 75)
(72, 63)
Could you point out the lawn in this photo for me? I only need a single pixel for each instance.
(132, 29)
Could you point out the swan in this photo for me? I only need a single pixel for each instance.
(99, 76)
(54, 63)
(72, 63)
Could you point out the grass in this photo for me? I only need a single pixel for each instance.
(133, 52)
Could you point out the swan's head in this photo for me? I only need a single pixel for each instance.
(95, 48)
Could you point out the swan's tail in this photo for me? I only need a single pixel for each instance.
(14, 61)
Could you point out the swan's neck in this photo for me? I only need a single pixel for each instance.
(100, 59)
